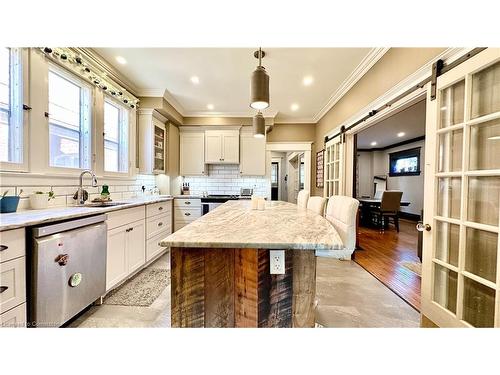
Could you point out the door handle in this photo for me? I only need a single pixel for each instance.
(3, 288)
(3, 247)
(421, 227)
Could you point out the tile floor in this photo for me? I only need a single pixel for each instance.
(348, 296)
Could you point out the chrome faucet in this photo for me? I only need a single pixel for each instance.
(80, 199)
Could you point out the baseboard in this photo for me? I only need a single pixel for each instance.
(409, 216)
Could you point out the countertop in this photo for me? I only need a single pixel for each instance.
(281, 225)
(34, 217)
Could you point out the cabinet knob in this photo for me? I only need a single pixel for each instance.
(160, 208)
(160, 224)
(187, 202)
(187, 214)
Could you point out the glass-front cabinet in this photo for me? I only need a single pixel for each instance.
(153, 142)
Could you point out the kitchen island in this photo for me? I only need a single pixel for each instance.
(220, 266)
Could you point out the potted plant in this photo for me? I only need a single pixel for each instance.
(8, 203)
(40, 200)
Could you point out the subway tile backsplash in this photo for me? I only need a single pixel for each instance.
(226, 179)
(64, 190)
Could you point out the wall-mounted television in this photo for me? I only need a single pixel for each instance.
(405, 163)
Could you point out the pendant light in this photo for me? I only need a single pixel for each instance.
(259, 125)
(259, 98)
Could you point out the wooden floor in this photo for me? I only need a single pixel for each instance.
(381, 254)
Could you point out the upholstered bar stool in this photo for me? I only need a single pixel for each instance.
(317, 205)
(302, 199)
(341, 212)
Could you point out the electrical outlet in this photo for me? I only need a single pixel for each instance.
(277, 262)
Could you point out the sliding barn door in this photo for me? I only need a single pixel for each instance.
(334, 167)
(460, 280)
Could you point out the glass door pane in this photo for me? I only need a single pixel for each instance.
(479, 304)
(485, 146)
(452, 105)
(486, 91)
(445, 287)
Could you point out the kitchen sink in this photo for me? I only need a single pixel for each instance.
(104, 204)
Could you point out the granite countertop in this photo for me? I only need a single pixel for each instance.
(280, 226)
(34, 217)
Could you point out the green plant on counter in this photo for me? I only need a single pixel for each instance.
(50, 193)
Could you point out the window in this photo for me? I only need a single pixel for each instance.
(11, 112)
(405, 163)
(274, 174)
(115, 137)
(69, 121)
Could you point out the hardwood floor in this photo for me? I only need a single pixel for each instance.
(381, 254)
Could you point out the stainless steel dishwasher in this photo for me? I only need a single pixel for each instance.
(67, 269)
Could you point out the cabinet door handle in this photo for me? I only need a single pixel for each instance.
(160, 224)
(187, 202)
(187, 214)
(3, 247)
(160, 208)
(131, 229)
(3, 288)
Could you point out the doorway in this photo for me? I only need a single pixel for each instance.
(290, 169)
(389, 183)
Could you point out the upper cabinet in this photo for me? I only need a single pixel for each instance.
(252, 155)
(152, 142)
(222, 146)
(192, 153)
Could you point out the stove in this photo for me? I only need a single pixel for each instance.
(219, 198)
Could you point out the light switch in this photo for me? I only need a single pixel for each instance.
(277, 262)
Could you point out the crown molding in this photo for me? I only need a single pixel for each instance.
(228, 114)
(150, 92)
(109, 69)
(448, 55)
(363, 67)
(303, 120)
(174, 103)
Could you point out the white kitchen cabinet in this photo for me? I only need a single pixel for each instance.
(192, 153)
(152, 142)
(136, 245)
(116, 262)
(126, 252)
(186, 210)
(252, 155)
(222, 146)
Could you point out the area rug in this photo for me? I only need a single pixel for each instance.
(415, 267)
(142, 290)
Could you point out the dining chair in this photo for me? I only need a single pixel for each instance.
(341, 213)
(317, 205)
(302, 198)
(389, 209)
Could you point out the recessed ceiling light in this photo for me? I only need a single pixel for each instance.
(294, 107)
(210, 107)
(121, 60)
(308, 80)
(373, 143)
(401, 134)
(195, 80)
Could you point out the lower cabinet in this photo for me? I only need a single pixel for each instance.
(126, 252)
(14, 318)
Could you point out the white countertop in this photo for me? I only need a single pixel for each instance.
(34, 217)
(281, 225)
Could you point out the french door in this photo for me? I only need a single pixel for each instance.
(334, 167)
(461, 257)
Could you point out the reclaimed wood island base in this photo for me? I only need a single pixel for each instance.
(234, 288)
(220, 269)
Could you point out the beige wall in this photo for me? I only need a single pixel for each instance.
(393, 67)
(162, 106)
(292, 133)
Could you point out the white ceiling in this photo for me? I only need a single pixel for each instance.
(411, 121)
(224, 75)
